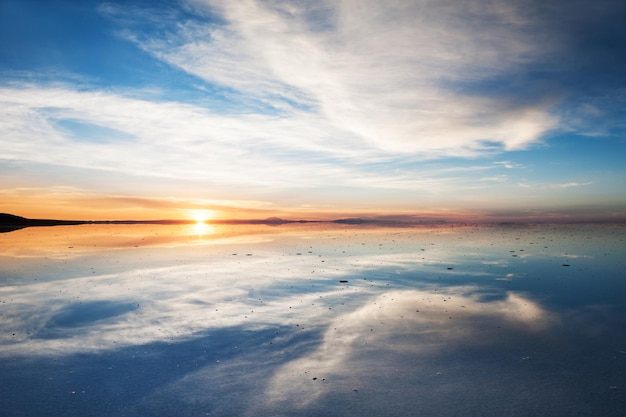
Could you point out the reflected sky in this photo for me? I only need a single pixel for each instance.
(312, 319)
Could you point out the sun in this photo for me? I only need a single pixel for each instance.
(201, 216)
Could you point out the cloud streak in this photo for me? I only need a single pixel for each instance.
(384, 73)
(557, 186)
(259, 156)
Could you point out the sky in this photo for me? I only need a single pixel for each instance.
(427, 109)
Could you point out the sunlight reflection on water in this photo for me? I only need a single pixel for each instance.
(508, 320)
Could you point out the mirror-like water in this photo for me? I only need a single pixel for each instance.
(315, 319)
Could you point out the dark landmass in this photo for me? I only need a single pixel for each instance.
(273, 221)
(358, 220)
(11, 222)
(350, 221)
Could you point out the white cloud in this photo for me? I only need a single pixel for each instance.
(496, 178)
(509, 164)
(572, 184)
(181, 142)
(169, 139)
(382, 71)
(554, 186)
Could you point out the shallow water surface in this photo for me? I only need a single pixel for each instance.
(313, 319)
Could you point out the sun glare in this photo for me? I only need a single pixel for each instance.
(201, 216)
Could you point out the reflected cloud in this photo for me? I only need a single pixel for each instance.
(508, 277)
(79, 315)
(415, 322)
(183, 280)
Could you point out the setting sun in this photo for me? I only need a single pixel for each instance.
(201, 216)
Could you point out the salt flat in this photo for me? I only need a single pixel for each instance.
(313, 319)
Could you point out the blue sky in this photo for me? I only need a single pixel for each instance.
(146, 109)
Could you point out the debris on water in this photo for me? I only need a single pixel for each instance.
(449, 269)
(343, 281)
(565, 264)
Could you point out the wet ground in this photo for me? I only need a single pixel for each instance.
(313, 320)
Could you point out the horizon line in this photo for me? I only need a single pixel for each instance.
(8, 220)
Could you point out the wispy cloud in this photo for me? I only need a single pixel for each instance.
(554, 186)
(384, 73)
(496, 178)
(572, 184)
(170, 141)
(168, 138)
(509, 164)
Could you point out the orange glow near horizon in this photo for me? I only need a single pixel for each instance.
(57, 204)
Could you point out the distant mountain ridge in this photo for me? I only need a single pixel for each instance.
(10, 222)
